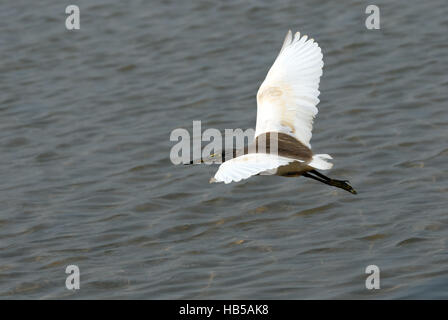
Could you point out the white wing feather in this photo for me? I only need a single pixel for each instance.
(247, 165)
(287, 98)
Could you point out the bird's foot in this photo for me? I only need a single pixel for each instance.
(343, 184)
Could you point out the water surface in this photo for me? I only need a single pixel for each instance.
(86, 178)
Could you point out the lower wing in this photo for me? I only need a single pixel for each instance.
(248, 165)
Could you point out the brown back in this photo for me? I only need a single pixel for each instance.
(287, 146)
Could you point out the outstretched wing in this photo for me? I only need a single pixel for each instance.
(248, 165)
(287, 98)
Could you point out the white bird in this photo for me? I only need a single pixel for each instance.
(286, 107)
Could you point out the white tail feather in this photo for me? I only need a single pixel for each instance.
(319, 162)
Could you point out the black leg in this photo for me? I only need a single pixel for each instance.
(315, 175)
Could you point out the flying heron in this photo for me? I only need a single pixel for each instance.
(286, 107)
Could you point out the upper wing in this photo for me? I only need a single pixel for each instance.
(247, 165)
(287, 98)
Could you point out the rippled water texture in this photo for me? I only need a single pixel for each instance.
(86, 178)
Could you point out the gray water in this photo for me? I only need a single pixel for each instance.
(86, 177)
